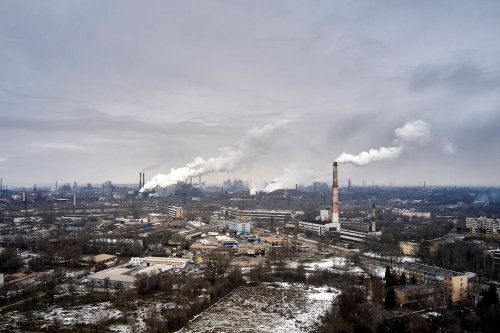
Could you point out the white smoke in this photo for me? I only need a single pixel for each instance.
(447, 146)
(413, 133)
(252, 145)
(292, 175)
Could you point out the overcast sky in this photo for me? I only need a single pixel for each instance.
(99, 90)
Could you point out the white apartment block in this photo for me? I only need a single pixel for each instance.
(240, 227)
(483, 226)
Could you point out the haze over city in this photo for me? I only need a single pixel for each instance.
(183, 166)
(95, 91)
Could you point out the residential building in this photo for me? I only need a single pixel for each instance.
(414, 293)
(176, 212)
(483, 226)
(409, 248)
(240, 227)
(453, 284)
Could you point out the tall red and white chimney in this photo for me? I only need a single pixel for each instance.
(335, 198)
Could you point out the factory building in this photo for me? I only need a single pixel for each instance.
(359, 231)
(280, 216)
(452, 284)
(483, 227)
(153, 261)
(317, 227)
(240, 227)
(176, 212)
(124, 276)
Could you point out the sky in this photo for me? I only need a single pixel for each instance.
(100, 90)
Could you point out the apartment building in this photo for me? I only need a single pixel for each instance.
(240, 227)
(483, 226)
(409, 248)
(176, 212)
(453, 284)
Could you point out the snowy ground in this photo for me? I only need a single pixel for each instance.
(333, 262)
(394, 258)
(87, 315)
(84, 315)
(276, 308)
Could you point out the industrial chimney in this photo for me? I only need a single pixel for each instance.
(335, 198)
(143, 180)
(140, 180)
(373, 227)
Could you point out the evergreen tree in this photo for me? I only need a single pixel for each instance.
(390, 299)
(389, 278)
(402, 279)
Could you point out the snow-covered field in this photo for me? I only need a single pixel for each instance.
(83, 315)
(333, 262)
(276, 308)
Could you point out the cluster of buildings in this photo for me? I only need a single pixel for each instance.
(356, 230)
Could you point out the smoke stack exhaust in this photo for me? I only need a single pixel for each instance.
(335, 198)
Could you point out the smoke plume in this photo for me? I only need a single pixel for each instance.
(229, 159)
(413, 133)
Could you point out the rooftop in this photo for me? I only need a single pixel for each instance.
(413, 287)
(433, 270)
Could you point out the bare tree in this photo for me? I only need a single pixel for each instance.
(72, 291)
(90, 288)
(107, 286)
(216, 266)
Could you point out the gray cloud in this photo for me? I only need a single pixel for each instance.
(100, 90)
(461, 78)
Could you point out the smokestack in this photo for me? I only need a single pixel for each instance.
(373, 218)
(335, 198)
(143, 179)
(140, 180)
